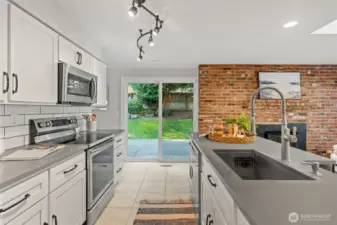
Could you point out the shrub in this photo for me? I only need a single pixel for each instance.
(135, 106)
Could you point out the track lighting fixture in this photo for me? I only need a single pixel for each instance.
(133, 11)
(159, 25)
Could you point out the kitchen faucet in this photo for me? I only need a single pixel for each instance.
(286, 138)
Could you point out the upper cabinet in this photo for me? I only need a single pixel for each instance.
(75, 56)
(100, 70)
(34, 59)
(4, 79)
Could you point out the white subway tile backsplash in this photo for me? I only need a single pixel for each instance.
(27, 139)
(30, 117)
(14, 142)
(2, 133)
(14, 121)
(2, 110)
(68, 109)
(9, 121)
(22, 109)
(16, 131)
(51, 109)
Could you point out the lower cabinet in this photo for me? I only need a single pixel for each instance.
(210, 212)
(35, 215)
(68, 202)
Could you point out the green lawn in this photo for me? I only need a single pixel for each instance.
(148, 128)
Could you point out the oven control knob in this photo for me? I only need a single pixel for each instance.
(42, 124)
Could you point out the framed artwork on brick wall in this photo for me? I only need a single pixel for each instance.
(289, 83)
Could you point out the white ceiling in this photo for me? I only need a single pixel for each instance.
(214, 31)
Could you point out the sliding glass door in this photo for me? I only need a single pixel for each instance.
(159, 119)
(143, 123)
(177, 120)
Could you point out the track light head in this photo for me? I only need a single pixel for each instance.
(133, 11)
(140, 57)
(151, 42)
(156, 31)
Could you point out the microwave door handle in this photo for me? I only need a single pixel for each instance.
(94, 88)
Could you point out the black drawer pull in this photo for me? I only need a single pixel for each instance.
(45, 223)
(209, 179)
(7, 82)
(210, 222)
(119, 170)
(55, 219)
(119, 154)
(119, 140)
(15, 204)
(68, 171)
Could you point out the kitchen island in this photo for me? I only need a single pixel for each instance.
(268, 202)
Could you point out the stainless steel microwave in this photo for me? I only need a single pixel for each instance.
(76, 86)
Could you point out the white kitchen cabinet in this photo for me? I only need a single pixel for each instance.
(35, 215)
(68, 202)
(100, 70)
(206, 202)
(4, 79)
(34, 59)
(75, 56)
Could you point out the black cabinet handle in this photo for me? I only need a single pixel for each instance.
(78, 58)
(207, 218)
(7, 82)
(45, 223)
(119, 154)
(119, 170)
(16, 83)
(15, 204)
(119, 140)
(55, 219)
(68, 171)
(191, 172)
(210, 222)
(209, 179)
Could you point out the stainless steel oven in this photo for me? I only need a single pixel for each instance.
(100, 171)
(76, 86)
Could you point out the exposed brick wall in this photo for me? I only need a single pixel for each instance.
(225, 90)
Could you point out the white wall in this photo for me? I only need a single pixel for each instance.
(49, 12)
(110, 118)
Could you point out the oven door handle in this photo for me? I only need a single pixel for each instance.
(95, 151)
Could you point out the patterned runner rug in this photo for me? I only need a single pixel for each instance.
(176, 212)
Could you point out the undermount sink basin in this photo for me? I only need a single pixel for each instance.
(252, 165)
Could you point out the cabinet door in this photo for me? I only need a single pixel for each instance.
(73, 55)
(218, 218)
(206, 202)
(100, 70)
(35, 215)
(68, 202)
(33, 59)
(4, 79)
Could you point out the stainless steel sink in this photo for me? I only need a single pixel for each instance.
(252, 165)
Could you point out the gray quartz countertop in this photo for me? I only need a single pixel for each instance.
(269, 202)
(15, 172)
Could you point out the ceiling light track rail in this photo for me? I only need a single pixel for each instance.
(153, 32)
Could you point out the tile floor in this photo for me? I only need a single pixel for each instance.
(142, 181)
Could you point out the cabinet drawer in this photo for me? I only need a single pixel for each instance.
(223, 198)
(19, 198)
(241, 220)
(119, 154)
(118, 140)
(35, 215)
(66, 170)
(75, 56)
